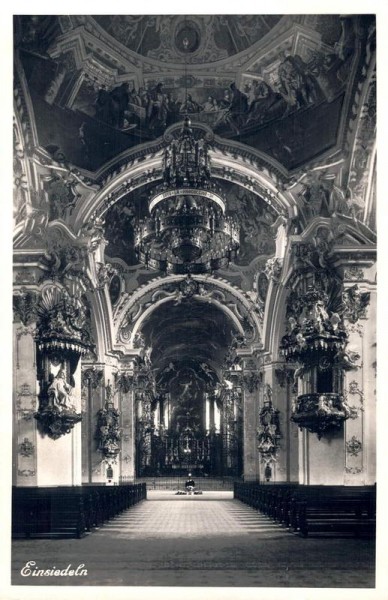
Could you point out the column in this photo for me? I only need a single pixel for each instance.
(166, 411)
(157, 416)
(217, 417)
(211, 412)
(207, 413)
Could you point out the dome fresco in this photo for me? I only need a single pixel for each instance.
(274, 80)
(194, 39)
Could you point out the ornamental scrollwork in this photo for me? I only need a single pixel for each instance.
(23, 393)
(63, 322)
(268, 432)
(24, 304)
(26, 448)
(354, 389)
(353, 470)
(105, 273)
(355, 303)
(188, 287)
(353, 446)
(93, 233)
(92, 376)
(124, 382)
(130, 306)
(311, 326)
(353, 273)
(250, 381)
(62, 196)
(26, 472)
(320, 413)
(273, 268)
(25, 277)
(108, 433)
(65, 258)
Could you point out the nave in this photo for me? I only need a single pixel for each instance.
(208, 540)
(194, 295)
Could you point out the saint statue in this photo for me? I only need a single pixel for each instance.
(59, 392)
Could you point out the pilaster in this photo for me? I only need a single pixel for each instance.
(284, 389)
(128, 419)
(24, 471)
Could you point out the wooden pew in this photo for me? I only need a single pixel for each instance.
(314, 509)
(69, 511)
(334, 509)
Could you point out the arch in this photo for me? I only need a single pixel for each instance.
(231, 161)
(142, 296)
(142, 318)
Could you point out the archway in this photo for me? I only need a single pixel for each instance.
(191, 421)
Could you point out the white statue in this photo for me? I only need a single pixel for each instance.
(59, 391)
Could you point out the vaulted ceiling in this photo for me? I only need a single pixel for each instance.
(302, 79)
(188, 334)
(73, 63)
(209, 37)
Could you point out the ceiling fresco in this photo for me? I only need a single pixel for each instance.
(273, 100)
(188, 334)
(191, 39)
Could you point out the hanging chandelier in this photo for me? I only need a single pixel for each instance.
(187, 230)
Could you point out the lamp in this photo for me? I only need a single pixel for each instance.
(187, 230)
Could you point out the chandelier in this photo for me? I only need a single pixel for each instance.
(187, 230)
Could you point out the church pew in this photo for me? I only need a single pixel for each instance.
(329, 515)
(69, 511)
(333, 509)
(267, 498)
(48, 515)
(316, 493)
(317, 508)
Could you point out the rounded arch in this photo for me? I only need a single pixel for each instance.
(236, 305)
(231, 161)
(154, 307)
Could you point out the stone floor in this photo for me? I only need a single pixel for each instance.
(208, 540)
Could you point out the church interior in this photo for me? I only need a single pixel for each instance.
(194, 294)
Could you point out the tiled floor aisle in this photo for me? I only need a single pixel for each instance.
(220, 518)
(199, 541)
